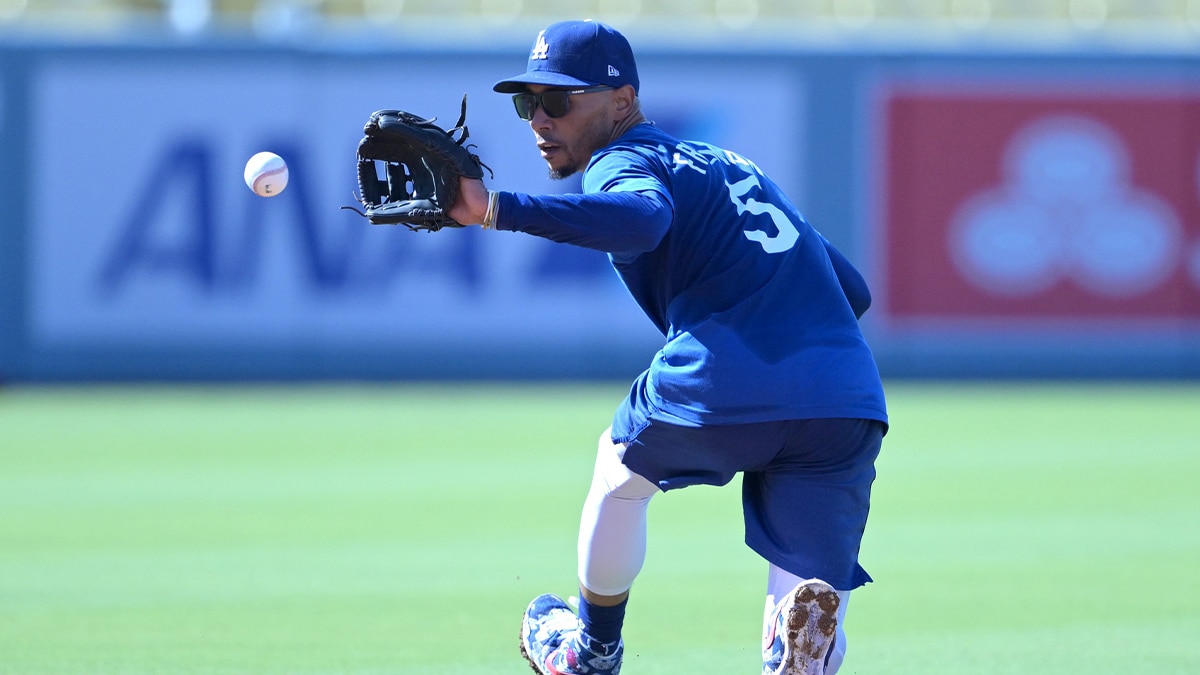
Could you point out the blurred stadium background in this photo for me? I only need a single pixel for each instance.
(193, 15)
(1019, 181)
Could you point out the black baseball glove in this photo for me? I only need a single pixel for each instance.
(416, 183)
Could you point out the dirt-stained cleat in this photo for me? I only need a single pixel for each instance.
(802, 630)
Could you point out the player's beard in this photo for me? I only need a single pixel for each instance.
(579, 152)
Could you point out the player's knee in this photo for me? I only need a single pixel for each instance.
(615, 479)
(609, 455)
(605, 442)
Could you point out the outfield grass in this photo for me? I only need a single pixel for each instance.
(1016, 529)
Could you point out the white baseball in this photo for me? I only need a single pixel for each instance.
(266, 174)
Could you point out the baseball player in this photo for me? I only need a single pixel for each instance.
(764, 371)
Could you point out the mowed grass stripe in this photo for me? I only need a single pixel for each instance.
(1017, 528)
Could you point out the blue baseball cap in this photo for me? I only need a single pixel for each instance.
(576, 54)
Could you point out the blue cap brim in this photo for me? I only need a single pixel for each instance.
(516, 85)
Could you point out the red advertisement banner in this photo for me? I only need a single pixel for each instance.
(1031, 205)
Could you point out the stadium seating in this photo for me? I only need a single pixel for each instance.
(107, 15)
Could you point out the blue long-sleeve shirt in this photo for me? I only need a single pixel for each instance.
(759, 310)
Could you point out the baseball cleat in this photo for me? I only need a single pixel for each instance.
(553, 642)
(802, 630)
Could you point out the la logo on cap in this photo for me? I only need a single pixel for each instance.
(541, 49)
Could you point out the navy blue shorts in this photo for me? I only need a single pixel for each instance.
(806, 484)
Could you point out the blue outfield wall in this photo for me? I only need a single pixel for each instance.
(1017, 214)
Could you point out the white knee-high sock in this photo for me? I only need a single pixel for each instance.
(612, 529)
(779, 584)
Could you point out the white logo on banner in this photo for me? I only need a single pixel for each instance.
(1066, 209)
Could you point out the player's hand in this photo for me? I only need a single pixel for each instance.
(472, 203)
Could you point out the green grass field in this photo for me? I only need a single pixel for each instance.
(1016, 529)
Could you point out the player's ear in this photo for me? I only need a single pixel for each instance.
(623, 100)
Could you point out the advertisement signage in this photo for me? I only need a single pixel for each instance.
(146, 237)
(1033, 207)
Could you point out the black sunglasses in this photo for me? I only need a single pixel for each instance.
(556, 102)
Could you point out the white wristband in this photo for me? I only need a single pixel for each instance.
(489, 218)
